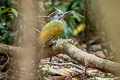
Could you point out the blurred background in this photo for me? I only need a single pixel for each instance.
(82, 25)
(92, 24)
(79, 25)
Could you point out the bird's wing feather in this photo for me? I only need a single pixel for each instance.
(51, 24)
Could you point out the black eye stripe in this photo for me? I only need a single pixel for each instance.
(59, 14)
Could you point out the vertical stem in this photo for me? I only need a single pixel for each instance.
(87, 5)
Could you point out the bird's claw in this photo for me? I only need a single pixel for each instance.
(56, 42)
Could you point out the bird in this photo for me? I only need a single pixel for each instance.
(52, 29)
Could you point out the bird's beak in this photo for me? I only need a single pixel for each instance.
(66, 13)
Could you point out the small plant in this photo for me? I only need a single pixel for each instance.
(43, 70)
(7, 14)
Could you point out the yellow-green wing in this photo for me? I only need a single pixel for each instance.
(49, 31)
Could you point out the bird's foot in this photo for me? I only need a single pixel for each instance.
(56, 42)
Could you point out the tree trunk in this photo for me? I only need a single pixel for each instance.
(24, 60)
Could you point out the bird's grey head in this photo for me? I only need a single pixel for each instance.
(60, 15)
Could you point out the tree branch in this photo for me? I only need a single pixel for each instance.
(66, 46)
(7, 48)
(93, 61)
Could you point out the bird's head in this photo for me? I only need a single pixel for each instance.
(59, 15)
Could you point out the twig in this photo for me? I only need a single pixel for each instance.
(66, 58)
(63, 64)
(7, 59)
(71, 64)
